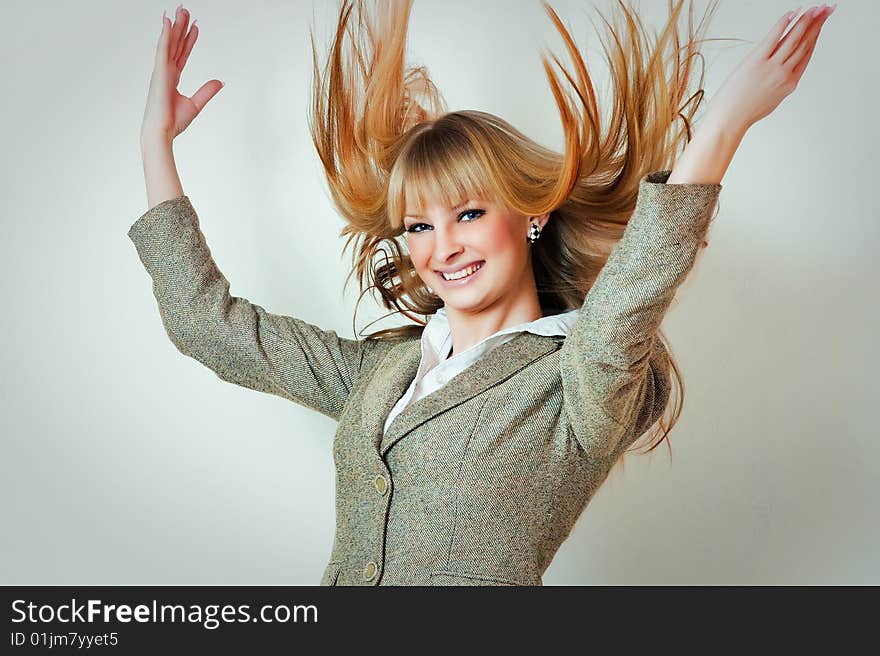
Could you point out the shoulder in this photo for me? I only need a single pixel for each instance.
(376, 346)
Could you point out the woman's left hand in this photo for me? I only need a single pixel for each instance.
(771, 71)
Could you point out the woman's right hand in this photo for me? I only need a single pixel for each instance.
(168, 112)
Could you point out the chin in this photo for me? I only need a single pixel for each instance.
(465, 302)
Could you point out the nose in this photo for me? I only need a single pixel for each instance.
(446, 246)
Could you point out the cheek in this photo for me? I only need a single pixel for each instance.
(488, 239)
(501, 245)
(504, 241)
(420, 253)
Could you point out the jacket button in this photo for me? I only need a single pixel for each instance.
(370, 571)
(381, 484)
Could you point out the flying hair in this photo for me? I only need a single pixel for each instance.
(385, 136)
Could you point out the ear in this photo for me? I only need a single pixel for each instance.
(540, 219)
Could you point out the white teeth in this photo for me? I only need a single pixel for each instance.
(461, 274)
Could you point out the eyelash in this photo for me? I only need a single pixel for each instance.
(479, 213)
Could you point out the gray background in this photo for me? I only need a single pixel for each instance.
(125, 462)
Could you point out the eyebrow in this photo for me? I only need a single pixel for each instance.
(451, 209)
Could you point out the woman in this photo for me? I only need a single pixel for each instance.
(468, 445)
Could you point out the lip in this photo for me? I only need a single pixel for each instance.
(469, 264)
(465, 280)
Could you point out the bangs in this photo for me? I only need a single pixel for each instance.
(442, 168)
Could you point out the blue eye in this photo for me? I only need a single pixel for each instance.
(478, 213)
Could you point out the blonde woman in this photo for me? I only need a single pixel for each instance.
(470, 440)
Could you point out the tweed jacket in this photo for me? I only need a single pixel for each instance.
(479, 482)
(436, 368)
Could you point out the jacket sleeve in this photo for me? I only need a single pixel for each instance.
(614, 367)
(239, 340)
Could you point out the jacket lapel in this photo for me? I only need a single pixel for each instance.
(400, 366)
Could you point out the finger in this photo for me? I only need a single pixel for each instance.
(802, 61)
(184, 22)
(188, 45)
(769, 43)
(207, 91)
(162, 45)
(806, 44)
(792, 40)
(799, 60)
(171, 37)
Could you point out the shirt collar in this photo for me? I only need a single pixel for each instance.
(437, 337)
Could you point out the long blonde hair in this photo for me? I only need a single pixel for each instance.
(382, 131)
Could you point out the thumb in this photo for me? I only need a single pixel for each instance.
(768, 45)
(207, 91)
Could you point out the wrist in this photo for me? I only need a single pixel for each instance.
(709, 152)
(155, 140)
(724, 124)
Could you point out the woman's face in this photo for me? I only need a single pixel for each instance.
(475, 234)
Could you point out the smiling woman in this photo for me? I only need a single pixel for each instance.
(469, 444)
(465, 187)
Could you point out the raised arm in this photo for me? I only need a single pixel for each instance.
(615, 372)
(238, 340)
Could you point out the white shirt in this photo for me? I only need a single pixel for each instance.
(435, 370)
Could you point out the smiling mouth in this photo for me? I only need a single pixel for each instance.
(460, 279)
(463, 274)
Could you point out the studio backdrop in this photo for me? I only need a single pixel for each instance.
(124, 462)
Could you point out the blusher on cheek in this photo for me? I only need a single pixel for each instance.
(420, 255)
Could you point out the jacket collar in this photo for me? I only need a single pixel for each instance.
(400, 365)
(437, 338)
